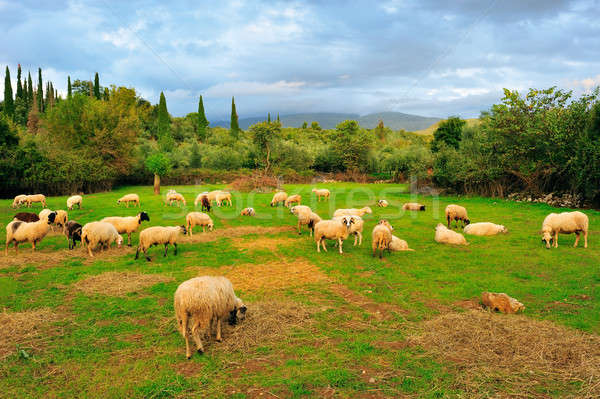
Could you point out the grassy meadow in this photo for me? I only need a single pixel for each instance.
(319, 324)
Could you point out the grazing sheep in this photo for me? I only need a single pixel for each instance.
(19, 200)
(99, 234)
(30, 199)
(199, 197)
(74, 200)
(61, 219)
(293, 199)
(564, 223)
(19, 231)
(457, 213)
(356, 228)
(248, 212)
(383, 203)
(335, 229)
(352, 212)
(382, 237)
(73, 233)
(200, 301)
(485, 229)
(193, 219)
(127, 224)
(175, 197)
(26, 217)
(413, 206)
(398, 244)
(223, 197)
(203, 199)
(212, 195)
(444, 235)
(278, 197)
(305, 217)
(130, 198)
(159, 235)
(323, 192)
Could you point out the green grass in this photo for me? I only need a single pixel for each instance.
(127, 346)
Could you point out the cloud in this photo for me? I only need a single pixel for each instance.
(587, 83)
(230, 89)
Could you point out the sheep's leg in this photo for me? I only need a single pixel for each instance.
(219, 338)
(175, 245)
(137, 252)
(576, 239)
(147, 257)
(166, 249)
(6, 249)
(448, 219)
(340, 242)
(359, 238)
(318, 245)
(33, 246)
(585, 239)
(128, 239)
(556, 240)
(299, 232)
(89, 248)
(355, 238)
(16, 248)
(323, 243)
(196, 336)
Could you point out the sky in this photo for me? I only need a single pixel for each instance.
(431, 58)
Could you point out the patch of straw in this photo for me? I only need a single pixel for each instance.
(233, 232)
(23, 328)
(119, 283)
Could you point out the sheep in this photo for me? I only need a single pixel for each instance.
(398, 244)
(205, 202)
(99, 234)
(564, 223)
(175, 197)
(30, 199)
(199, 302)
(279, 196)
(127, 224)
(212, 195)
(199, 197)
(293, 199)
(61, 219)
(159, 235)
(130, 198)
(26, 217)
(323, 192)
(444, 235)
(248, 212)
(356, 228)
(193, 219)
(305, 217)
(413, 206)
(485, 229)
(19, 200)
(382, 203)
(223, 196)
(19, 231)
(44, 213)
(335, 229)
(382, 237)
(73, 231)
(352, 212)
(74, 200)
(458, 213)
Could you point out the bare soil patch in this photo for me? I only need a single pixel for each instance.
(119, 283)
(49, 257)
(233, 232)
(29, 329)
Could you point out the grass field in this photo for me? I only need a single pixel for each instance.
(319, 324)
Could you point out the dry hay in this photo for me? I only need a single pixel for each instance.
(233, 232)
(520, 351)
(24, 328)
(264, 243)
(119, 283)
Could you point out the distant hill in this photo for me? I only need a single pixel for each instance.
(430, 129)
(393, 120)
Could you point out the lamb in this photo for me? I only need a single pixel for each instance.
(19, 200)
(175, 197)
(335, 229)
(74, 200)
(130, 198)
(248, 212)
(444, 235)
(278, 197)
(73, 233)
(293, 199)
(458, 213)
(200, 301)
(356, 228)
(100, 234)
(398, 244)
(564, 223)
(36, 198)
(159, 235)
(127, 224)
(193, 219)
(382, 237)
(26, 217)
(485, 229)
(321, 193)
(413, 206)
(305, 217)
(223, 196)
(382, 203)
(352, 212)
(33, 232)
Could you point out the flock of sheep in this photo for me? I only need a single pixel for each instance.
(202, 303)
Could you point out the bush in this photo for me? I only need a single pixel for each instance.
(256, 182)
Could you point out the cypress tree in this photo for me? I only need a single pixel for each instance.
(97, 86)
(278, 120)
(234, 126)
(40, 92)
(19, 87)
(9, 105)
(202, 121)
(21, 100)
(69, 88)
(269, 117)
(29, 90)
(106, 96)
(165, 141)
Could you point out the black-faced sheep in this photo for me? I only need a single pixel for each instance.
(18, 231)
(74, 200)
(383, 203)
(335, 229)
(564, 223)
(382, 237)
(127, 224)
(127, 198)
(413, 206)
(73, 231)
(193, 219)
(99, 234)
(278, 197)
(158, 235)
(457, 213)
(248, 212)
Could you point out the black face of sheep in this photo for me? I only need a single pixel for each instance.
(183, 230)
(467, 221)
(144, 216)
(51, 217)
(422, 207)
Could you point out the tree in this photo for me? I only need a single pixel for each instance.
(69, 88)
(195, 157)
(19, 86)
(448, 132)
(97, 86)
(165, 140)
(8, 134)
(159, 164)
(29, 90)
(278, 120)
(234, 125)
(202, 122)
(40, 92)
(352, 145)
(106, 95)
(265, 135)
(9, 105)
(305, 125)
(268, 117)
(33, 118)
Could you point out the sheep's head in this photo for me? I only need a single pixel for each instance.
(422, 208)
(347, 221)
(503, 229)
(440, 227)
(238, 313)
(547, 237)
(183, 229)
(119, 241)
(143, 216)
(293, 210)
(367, 209)
(51, 217)
(385, 223)
(77, 234)
(211, 226)
(118, 201)
(467, 221)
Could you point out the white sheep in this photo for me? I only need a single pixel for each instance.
(175, 197)
(212, 195)
(413, 206)
(193, 219)
(18, 231)
(352, 212)
(41, 198)
(335, 229)
(356, 228)
(278, 197)
(484, 229)
(383, 203)
(457, 213)
(293, 199)
(382, 237)
(159, 235)
(306, 217)
(398, 244)
(19, 200)
(564, 223)
(444, 235)
(74, 200)
(99, 234)
(127, 198)
(223, 197)
(248, 212)
(323, 192)
(127, 224)
(202, 301)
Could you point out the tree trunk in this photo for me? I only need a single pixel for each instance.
(156, 184)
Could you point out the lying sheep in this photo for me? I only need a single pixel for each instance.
(457, 213)
(30, 199)
(383, 203)
(382, 237)
(564, 223)
(193, 219)
(248, 212)
(175, 197)
(444, 235)
(306, 217)
(127, 224)
(130, 198)
(18, 231)
(352, 212)
(19, 200)
(356, 228)
(278, 197)
(398, 244)
(200, 301)
(335, 229)
(74, 200)
(159, 235)
(413, 206)
(223, 197)
(73, 231)
(485, 229)
(323, 192)
(293, 199)
(26, 217)
(99, 234)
